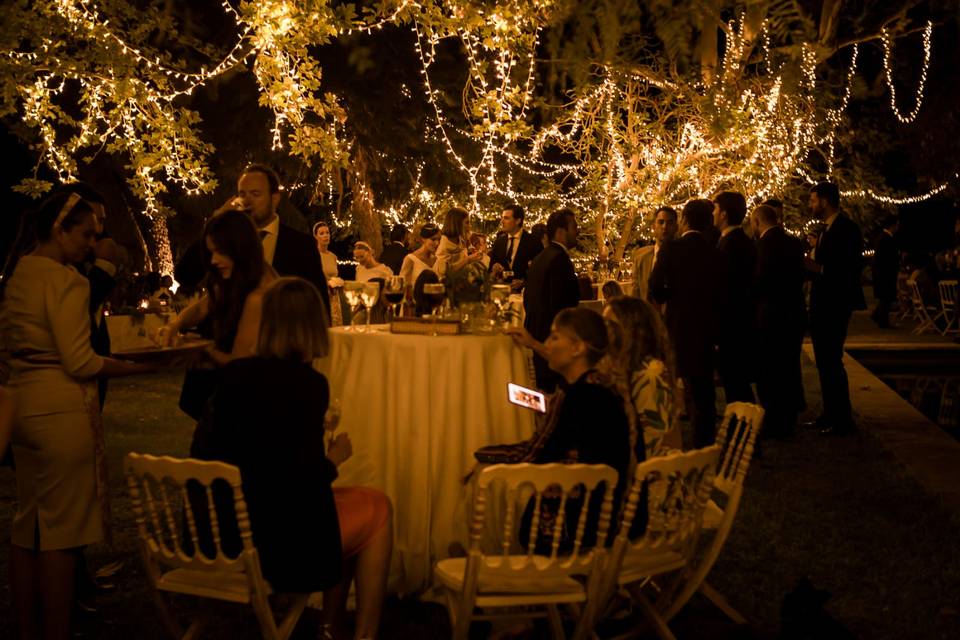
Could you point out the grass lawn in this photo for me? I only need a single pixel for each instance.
(836, 510)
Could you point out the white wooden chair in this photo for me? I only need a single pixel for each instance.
(922, 310)
(158, 490)
(948, 306)
(736, 437)
(677, 489)
(506, 578)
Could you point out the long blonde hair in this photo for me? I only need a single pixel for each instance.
(294, 322)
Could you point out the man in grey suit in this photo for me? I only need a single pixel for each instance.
(664, 230)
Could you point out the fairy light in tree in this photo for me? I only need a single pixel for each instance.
(888, 73)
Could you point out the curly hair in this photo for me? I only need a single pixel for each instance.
(637, 332)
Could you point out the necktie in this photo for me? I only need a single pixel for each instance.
(510, 252)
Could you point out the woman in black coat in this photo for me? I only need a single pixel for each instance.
(267, 418)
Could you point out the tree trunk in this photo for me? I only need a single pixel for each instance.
(362, 209)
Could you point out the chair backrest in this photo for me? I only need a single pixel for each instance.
(563, 485)
(736, 437)
(915, 295)
(677, 488)
(163, 489)
(948, 294)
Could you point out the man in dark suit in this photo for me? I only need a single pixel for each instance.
(551, 285)
(836, 291)
(290, 252)
(886, 268)
(514, 248)
(736, 355)
(781, 320)
(394, 253)
(689, 277)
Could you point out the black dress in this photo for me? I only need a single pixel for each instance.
(592, 428)
(266, 418)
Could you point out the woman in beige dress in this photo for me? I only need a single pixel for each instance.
(57, 439)
(454, 250)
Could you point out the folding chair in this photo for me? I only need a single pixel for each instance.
(677, 487)
(948, 306)
(159, 491)
(504, 578)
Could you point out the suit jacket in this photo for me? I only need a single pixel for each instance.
(886, 267)
(740, 262)
(551, 286)
(689, 276)
(642, 267)
(295, 255)
(101, 285)
(778, 282)
(528, 249)
(393, 256)
(840, 252)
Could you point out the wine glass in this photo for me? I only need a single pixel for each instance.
(368, 296)
(393, 290)
(500, 296)
(434, 292)
(351, 291)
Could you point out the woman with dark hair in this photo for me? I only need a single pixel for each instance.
(237, 276)
(425, 256)
(641, 362)
(57, 439)
(452, 252)
(268, 419)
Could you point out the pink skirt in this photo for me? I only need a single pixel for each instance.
(362, 513)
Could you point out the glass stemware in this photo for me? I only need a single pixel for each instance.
(351, 291)
(434, 293)
(500, 296)
(369, 296)
(393, 290)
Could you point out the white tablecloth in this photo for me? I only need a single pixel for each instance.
(416, 408)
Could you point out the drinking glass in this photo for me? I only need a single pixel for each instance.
(368, 296)
(434, 293)
(393, 290)
(351, 291)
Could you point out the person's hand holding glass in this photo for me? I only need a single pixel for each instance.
(393, 292)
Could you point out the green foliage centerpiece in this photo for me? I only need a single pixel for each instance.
(468, 284)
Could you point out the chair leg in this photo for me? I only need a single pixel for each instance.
(293, 616)
(556, 625)
(721, 603)
(653, 617)
(166, 616)
(261, 607)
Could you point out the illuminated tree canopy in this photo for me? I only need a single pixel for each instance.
(608, 106)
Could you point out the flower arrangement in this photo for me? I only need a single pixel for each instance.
(467, 284)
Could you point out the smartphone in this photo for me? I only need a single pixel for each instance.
(529, 398)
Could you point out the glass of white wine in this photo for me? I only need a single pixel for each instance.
(369, 296)
(351, 291)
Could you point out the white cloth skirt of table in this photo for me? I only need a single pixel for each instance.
(416, 408)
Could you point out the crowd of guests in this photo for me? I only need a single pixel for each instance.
(708, 299)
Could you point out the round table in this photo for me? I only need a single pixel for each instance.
(416, 408)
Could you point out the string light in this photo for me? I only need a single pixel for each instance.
(888, 73)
